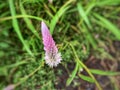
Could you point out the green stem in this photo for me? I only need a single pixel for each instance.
(31, 74)
(88, 71)
(20, 16)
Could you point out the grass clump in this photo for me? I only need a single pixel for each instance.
(82, 29)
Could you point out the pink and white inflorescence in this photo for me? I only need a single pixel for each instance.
(52, 56)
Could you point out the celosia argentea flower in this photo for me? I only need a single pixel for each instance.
(52, 56)
(9, 87)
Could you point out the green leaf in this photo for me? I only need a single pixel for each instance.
(108, 25)
(108, 2)
(101, 72)
(70, 79)
(89, 36)
(16, 27)
(28, 21)
(60, 12)
(83, 14)
(86, 78)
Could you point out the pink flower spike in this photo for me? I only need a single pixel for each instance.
(9, 87)
(52, 56)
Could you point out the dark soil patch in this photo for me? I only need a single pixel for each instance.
(106, 82)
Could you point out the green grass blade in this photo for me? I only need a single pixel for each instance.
(14, 65)
(89, 36)
(70, 79)
(90, 7)
(82, 64)
(20, 16)
(107, 73)
(108, 25)
(2, 5)
(60, 12)
(16, 27)
(28, 22)
(83, 14)
(108, 2)
(31, 74)
(86, 78)
(4, 69)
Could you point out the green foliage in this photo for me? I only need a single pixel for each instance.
(86, 78)
(81, 28)
(70, 79)
(16, 27)
(108, 73)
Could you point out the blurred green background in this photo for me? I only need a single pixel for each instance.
(87, 33)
